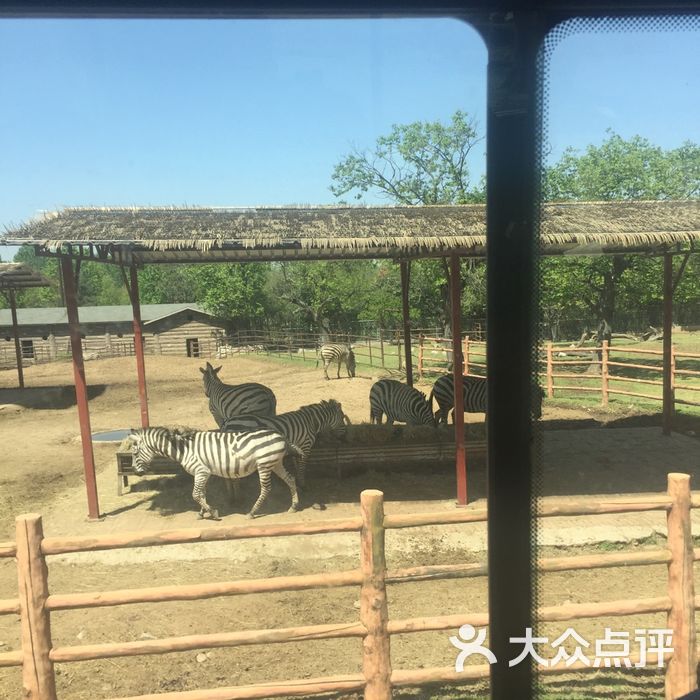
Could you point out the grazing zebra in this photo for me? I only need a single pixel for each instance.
(226, 400)
(337, 352)
(399, 402)
(228, 455)
(474, 392)
(300, 428)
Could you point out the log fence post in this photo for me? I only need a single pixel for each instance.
(398, 345)
(369, 347)
(681, 673)
(465, 354)
(605, 377)
(421, 341)
(550, 371)
(381, 346)
(374, 612)
(38, 678)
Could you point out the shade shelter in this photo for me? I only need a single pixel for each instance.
(15, 277)
(134, 237)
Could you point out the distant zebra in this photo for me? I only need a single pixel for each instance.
(399, 402)
(300, 428)
(228, 400)
(337, 352)
(474, 393)
(228, 455)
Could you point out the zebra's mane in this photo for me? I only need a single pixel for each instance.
(173, 433)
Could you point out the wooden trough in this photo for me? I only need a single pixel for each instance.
(400, 448)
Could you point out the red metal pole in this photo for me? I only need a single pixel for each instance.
(405, 276)
(668, 408)
(80, 387)
(460, 450)
(15, 332)
(138, 346)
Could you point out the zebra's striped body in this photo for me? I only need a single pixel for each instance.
(227, 400)
(337, 352)
(473, 390)
(474, 393)
(300, 428)
(399, 402)
(228, 455)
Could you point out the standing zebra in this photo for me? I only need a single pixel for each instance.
(337, 352)
(300, 428)
(474, 393)
(226, 400)
(228, 455)
(399, 402)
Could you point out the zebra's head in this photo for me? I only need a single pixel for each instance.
(351, 361)
(336, 419)
(424, 414)
(210, 374)
(141, 452)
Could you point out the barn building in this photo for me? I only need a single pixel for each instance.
(107, 331)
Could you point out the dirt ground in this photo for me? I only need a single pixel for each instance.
(41, 472)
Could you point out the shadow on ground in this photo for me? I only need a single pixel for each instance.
(47, 397)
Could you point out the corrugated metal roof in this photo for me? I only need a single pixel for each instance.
(56, 315)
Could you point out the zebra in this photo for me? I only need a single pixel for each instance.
(228, 455)
(300, 427)
(474, 393)
(337, 352)
(399, 402)
(226, 400)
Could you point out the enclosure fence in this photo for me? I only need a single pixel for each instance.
(374, 627)
(607, 369)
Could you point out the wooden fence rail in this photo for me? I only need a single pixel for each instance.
(374, 628)
(604, 378)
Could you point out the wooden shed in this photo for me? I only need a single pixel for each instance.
(107, 331)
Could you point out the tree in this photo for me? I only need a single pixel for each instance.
(618, 169)
(418, 163)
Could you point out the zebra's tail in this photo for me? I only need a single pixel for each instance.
(430, 401)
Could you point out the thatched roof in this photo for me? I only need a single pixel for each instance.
(280, 233)
(20, 276)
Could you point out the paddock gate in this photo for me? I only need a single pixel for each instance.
(374, 627)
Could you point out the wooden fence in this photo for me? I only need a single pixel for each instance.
(605, 380)
(435, 356)
(374, 628)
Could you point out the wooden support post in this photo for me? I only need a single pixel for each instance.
(38, 679)
(550, 371)
(15, 333)
(605, 379)
(369, 347)
(80, 387)
(374, 612)
(381, 345)
(421, 358)
(667, 419)
(138, 345)
(681, 674)
(465, 355)
(398, 348)
(460, 451)
(405, 281)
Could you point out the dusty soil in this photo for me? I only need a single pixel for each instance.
(41, 472)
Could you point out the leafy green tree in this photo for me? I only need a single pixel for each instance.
(420, 163)
(618, 169)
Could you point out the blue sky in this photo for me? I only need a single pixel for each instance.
(242, 113)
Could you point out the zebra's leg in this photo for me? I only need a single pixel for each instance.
(340, 362)
(325, 368)
(199, 494)
(264, 475)
(289, 480)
